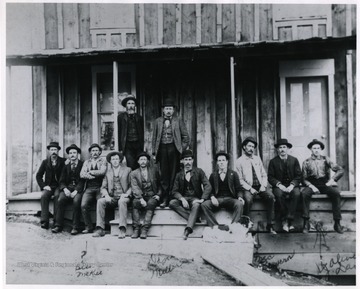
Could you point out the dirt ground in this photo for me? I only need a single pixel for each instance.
(37, 256)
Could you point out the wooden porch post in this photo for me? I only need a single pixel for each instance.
(233, 117)
(115, 97)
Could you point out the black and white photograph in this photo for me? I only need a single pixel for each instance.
(179, 143)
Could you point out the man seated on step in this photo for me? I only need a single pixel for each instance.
(226, 191)
(253, 180)
(317, 179)
(191, 188)
(146, 188)
(115, 192)
(71, 189)
(93, 172)
(51, 168)
(284, 175)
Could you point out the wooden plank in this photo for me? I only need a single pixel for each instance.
(9, 143)
(228, 23)
(243, 273)
(219, 23)
(188, 24)
(265, 14)
(60, 25)
(142, 24)
(233, 148)
(84, 25)
(178, 13)
(85, 89)
(256, 23)
(60, 79)
(169, 27)
(38, 26)
(338, 20)
(43, 110)
(71, 25)
(160, 18)
(151, 24)
(51, 26)
(208, 25)
(247, 22)
(238, 22)
(198, 23)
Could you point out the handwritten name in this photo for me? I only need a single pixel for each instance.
(163, 264)
(86, 270)
(266, 260)
(337, 265)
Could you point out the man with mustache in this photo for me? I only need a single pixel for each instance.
(130, 131)
(146, 187)
(93, 171)
(51, 168)
(71, 187)
(253, 179)
(191, 188)
(284, 175)
(170, 138)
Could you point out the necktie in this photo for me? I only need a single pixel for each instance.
(222, 175)
(73, 165)
(188, 176)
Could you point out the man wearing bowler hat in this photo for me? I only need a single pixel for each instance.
(115, 192)
(51, 168)
(71, 189)
(191, 188)
(130, 131)
(226, 191)
(284, 175)
(317, 179)
(170, 138)
(93, 172)
(146, 187)
(253, 179)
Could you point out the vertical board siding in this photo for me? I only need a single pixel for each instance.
(339, 20)
(51, 26)
(84, 25)
(266, 26)
(71, 25)
(188, 24)
(151, 24)
(247, 22)
(169, 27)
(52, 90)
(208, 23)
(228, 23)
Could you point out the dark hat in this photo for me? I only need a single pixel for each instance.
(73, 147)
(54, 144)
(168, 102)
(315, 141)
(143, 154)
(187, 154)
(126, 99)
(283, 141)
(115, 153)
(95, 145)
(249, 139)
(222, 153)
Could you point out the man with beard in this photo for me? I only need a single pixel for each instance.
(253, 179)
(71, 187)
(130, 131)
(170, 138)
(191, 188)
(115, 192)
(93, 171)
(51, 168)
(145, 185)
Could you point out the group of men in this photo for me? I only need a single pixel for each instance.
(146, 183)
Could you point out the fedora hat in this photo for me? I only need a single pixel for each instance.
(315, 141)
(115, 153)
(126, 99)
(249, 139)
(168, 102)
(95, 145)
(54, 144)
(73, 147)
(283, 141)
(222, 153)
(187, 154)
(143, 154)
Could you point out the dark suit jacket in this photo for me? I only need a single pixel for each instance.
(198, 178)
(65, 177)
(123, 127)
(137, 185)
(181, 136)
(233, 181)
(46, 168)
(275, 172)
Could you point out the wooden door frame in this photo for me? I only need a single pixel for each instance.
(309, 68)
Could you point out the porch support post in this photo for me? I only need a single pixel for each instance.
(116, 101)
(233, 116)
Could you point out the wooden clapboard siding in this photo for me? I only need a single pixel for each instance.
(228, 23)
(188, 24)
(247, 22)
(84, 25)
(339, 20)
(71, 25)
(151, 22)
(169, 27)
(51, 26)
(266, 26)
(208, 23)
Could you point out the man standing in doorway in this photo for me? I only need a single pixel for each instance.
(253, 179)
(170, 138)
(93, 171)
(130, 131)
(51, 168)
(317, 179)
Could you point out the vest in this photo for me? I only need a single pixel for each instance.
(224, 190)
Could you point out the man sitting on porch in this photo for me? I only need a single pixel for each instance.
(253, 179)
(191, 188)
(51, 168)
(93, 171)
(316, 178)
(115, 192)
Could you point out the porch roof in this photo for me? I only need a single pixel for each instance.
(191, 51)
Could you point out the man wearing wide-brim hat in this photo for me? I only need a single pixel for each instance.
(284, 175)
(130, 131)
(253, 180)
(51, 168)
(170, 139)
(71, 189)
(93, 171)
(317, 179)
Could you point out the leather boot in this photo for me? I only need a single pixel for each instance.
(187, 232)
(306, 227)
(144, 231)
(136, 232)
(337, 227)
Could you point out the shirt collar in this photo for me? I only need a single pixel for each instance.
(74, 162)
(223, 171)
(285, 158)
(316, 157)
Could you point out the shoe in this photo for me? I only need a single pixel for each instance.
(74, 231)
(45, 225)
(338, 228)
(144, 232)
(291, 228)
(306, 227)
(271, 229)
(87, 231)
(285, 226)
(122, 233)
(57, 229)
(98, 233)
(186, 233)
(165, 203)
(136, 233)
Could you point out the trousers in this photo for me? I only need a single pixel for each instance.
(190, 214)
(151, 204)
(101, 206)
(63, 200)
(284, 211)
(90, 196)
(266, 197)
(45, 200)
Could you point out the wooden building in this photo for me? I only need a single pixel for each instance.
(235, 70)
